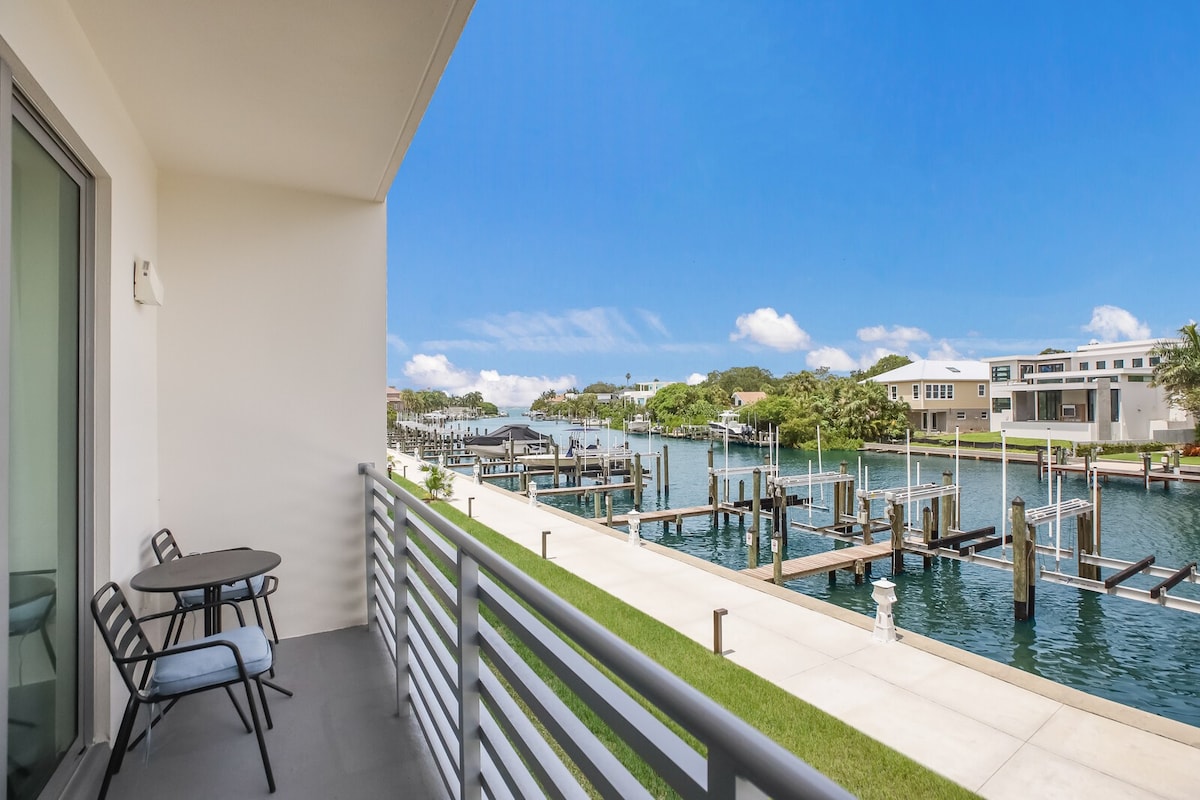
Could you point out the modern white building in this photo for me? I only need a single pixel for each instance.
(1098, 393)
(941, 395)
(244, 150)
(644, 391)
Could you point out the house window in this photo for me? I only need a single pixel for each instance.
(960, 415)
(894, 391)
(939, 391)
(1000, 374)
(1154, 361)
(983, 414)
(1137, 362)
(929, 391)
(1118, 363)
(1083, 365)
(1115, 405)
(1050, 368)
(1101, 365)
(916, 391)
(983, 390)
(1001, 404)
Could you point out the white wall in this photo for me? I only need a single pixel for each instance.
(271, 382)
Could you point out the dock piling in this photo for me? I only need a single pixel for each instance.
(1024, 559)
(896, 515)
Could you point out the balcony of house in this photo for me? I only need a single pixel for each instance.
(472, 680)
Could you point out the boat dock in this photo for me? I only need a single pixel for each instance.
(850, 558)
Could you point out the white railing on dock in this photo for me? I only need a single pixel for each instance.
(455, 617)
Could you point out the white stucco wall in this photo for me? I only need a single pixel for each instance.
(271, 382)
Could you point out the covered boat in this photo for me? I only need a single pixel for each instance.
(515, 439)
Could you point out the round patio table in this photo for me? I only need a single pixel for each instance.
(207, 571)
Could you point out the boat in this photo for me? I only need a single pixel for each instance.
(589, 456)
(639, 424)
(513, 439)
(729, 425)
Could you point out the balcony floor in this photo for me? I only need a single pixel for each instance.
(339, 737)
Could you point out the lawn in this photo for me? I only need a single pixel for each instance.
(994, 437)
(862, 765)
(1155, 458)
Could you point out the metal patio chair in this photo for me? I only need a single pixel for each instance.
(240, 655)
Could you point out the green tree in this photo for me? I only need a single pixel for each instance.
(1178, 369)
(886, 364)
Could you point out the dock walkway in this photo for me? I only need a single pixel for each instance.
(842, 558)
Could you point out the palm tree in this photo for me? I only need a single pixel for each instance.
(1178, 369)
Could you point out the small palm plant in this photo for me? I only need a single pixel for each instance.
(438, 483)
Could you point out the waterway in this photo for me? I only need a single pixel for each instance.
(1135, 653)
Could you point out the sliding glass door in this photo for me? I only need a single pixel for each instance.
(42, 334)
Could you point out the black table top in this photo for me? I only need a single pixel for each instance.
(205, 569)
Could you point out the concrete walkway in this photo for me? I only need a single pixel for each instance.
(994, 729)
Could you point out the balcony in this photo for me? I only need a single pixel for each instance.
(483, 658)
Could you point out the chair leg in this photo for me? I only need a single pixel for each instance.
(242, 714)
(271, 619)
(262, 696)
(118, 746)
(179, 630)
(262, 742)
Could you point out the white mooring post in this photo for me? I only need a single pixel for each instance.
(533, 493)
(884, 595)
(635, 529)
(476, 471)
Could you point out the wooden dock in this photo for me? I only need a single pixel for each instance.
(671, 514)
(844, 558)
(586, 490)
(1129, 469)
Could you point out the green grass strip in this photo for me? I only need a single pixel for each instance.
(859, 763)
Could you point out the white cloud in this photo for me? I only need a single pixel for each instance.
(696, 378)
(396, 343)
(835, 358)
(437, 372)
(899, 336)
(1113, 324)
(581, 330)
(764, 326)
(944, 352)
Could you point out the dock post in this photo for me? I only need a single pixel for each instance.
(1087, 468)
(777, 557)
(1099, 523)
(1146, 469)
(658, 474)
(928, 533)
(637, 480)
(556, 472)
(607, 509)
(864, 516)
(948, 509)
(896, 515)
(666, 471)
(578, 470)
(1024, 558)
(1083, 535)
(1041, 462)
(755, 508)
(596, 502)
(837, 499)
(712, 491)
(781, 502)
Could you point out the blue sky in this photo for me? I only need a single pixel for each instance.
(601, 187)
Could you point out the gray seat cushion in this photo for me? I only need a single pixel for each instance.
(177, 673)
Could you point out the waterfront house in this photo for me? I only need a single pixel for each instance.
(941, 395)
(747, 398)
(1101, 392)
(644, 390)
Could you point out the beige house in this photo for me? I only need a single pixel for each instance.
(942, 396)
(747, 398)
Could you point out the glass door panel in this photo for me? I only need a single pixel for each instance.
(43, 462)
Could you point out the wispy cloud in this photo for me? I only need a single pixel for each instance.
(764, 326)
(1112, 323)
(396, 343)
(438, 372)
(654, 321)
(900, 337)
(944, 351)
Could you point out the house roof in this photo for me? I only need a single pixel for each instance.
(309, 94)
(927, 370)
(747, 398)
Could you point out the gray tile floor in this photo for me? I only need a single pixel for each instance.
(339, 737)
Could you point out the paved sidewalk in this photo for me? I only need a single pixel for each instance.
(994, 729)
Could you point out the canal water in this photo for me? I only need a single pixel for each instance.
(1135, 653)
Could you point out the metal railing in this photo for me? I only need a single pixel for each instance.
(453, 612)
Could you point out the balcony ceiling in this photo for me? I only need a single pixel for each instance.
(313, 94)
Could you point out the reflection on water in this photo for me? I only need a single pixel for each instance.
(1135, 653)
